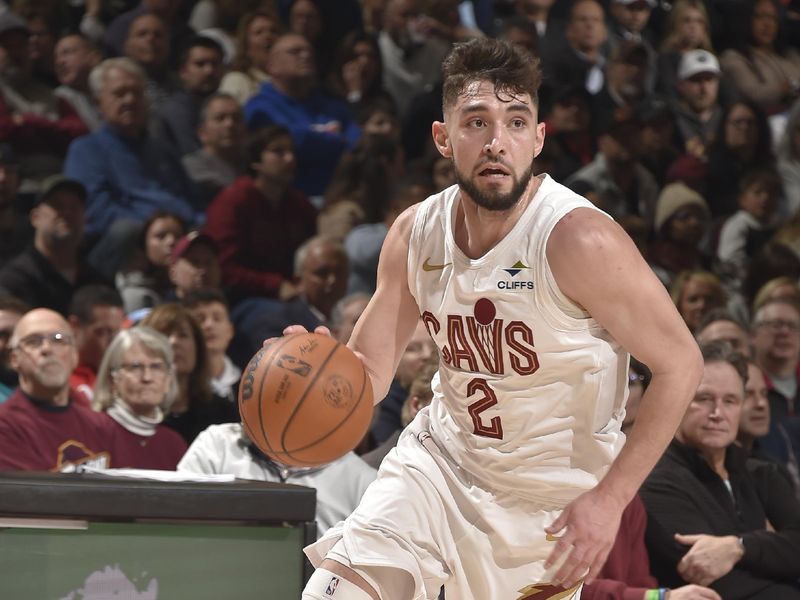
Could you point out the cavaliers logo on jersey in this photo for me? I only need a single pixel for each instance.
(545, 591)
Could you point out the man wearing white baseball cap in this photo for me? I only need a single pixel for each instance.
(697, 110)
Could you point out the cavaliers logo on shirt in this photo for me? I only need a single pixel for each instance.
(71, 454)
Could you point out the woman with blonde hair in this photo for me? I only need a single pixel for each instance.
(695, 293)
(135, 385)
(687, 29)
(778, 288)
(257, 31)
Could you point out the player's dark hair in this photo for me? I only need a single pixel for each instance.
(721, 351)
(510, 68)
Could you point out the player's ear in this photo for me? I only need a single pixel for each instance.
(441, 139)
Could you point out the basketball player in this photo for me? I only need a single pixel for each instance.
(510, 485)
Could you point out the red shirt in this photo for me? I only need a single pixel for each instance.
(256, 239)
(162, 450)
(35, 436)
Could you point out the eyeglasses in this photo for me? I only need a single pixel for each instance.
(777, 324)
(35, 341)
(156, 369)
(634, 378)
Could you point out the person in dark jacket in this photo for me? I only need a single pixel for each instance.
(716, 518)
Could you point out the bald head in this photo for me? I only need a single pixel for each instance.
(44, 355)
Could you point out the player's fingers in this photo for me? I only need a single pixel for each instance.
(562, 547)
(292, 329)
(322, 330)
(558, 524)
(573, 569)
(268, 342)
(686, 540)
(596, 564)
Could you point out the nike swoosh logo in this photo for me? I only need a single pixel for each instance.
(427, 266)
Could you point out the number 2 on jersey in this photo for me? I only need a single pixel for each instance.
(488, 399)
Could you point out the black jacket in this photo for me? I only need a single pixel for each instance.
(683, 495)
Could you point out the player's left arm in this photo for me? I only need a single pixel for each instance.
(597, 266)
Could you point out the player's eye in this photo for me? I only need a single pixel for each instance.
(517, 123)
(477, 123)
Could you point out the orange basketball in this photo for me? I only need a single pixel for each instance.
(305, 400)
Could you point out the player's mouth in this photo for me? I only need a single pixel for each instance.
(494, 172)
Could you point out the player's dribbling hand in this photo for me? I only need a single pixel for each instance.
(590, 524)
(294, 329)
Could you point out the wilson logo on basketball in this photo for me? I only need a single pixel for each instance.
(338, 392)
(249, 375)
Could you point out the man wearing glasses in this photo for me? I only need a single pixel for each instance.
(775, 337)
(42, 428)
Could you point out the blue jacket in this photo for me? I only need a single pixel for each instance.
(127, 178)
(318, 149)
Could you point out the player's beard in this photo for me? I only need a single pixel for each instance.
(495, 201)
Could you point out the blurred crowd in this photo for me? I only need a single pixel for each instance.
(182, 179)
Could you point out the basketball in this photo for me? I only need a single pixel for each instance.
(305, 400)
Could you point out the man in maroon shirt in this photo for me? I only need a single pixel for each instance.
(42, 428)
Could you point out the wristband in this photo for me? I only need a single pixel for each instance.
(662, 593)
(651, 595)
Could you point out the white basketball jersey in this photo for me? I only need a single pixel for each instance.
(530, 391)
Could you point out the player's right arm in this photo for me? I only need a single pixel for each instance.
(387, 324)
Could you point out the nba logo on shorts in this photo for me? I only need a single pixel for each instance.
(332, 586)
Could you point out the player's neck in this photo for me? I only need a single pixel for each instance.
(478, 230)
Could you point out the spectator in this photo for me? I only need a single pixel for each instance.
(42, 427)
(778, 288)
(48, 272)
(75, 57)
(623, 185)
(255, 36)
(11, 311)
(148, 46)
(357, 74)
(378, 118)
(259, 221)
(127, 173)
(220, 158)
(698, 114)
(625, 83)
(321, 127)
(305, 19)
(194, 265)
(136, 384)
(15, 227)
(695, 293)
(43, 26)
(388, 416)
(719, 325)
(745, 232)
(681, 222)
(583, 60)
(629, 19)
(320, 274)
(411, 59)
(755, 424)
(210, 309)
(345, 315)
(708, 509)
(95, 316)
(776, 259)
(761, 68)
(523, 32)
(775, 335)
(570, 139)
(200, 71)
(658, 151)
(419, 396)
(742, 143)
(687, 29)
(361, 186)
(145, 282)
(33, 119)
(195, 407)
(548, 27)
(168, 11)
(225, 449)
(363, 243)
(789, 162)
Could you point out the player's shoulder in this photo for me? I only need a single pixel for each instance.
(584, 229)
